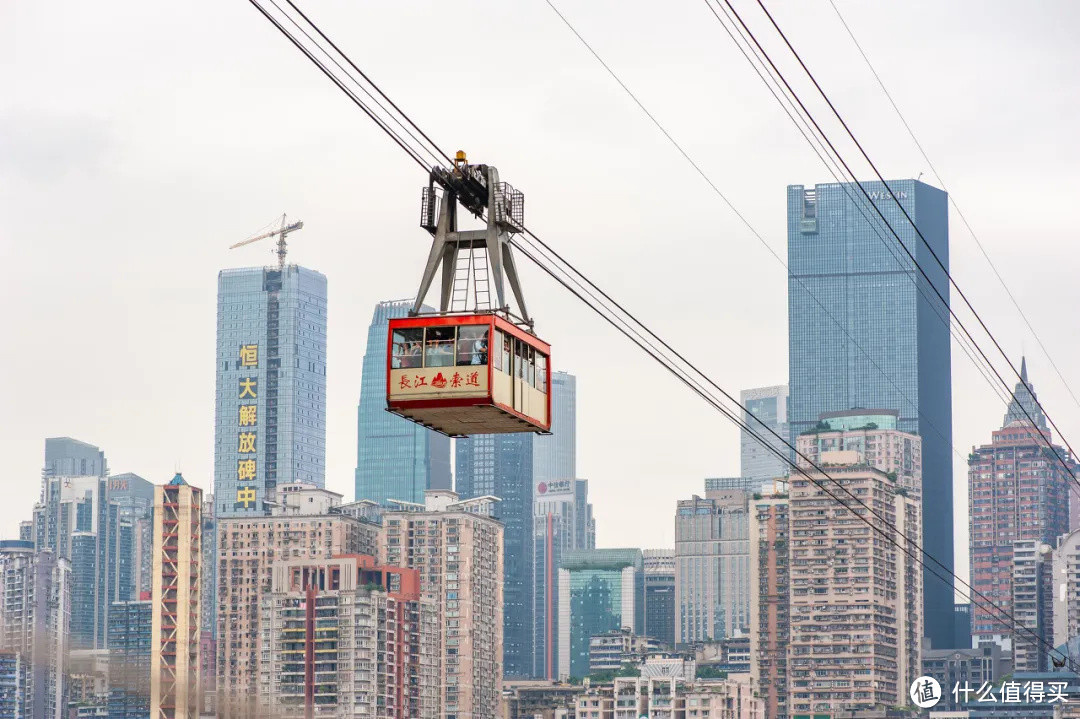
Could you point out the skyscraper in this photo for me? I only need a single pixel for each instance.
(396, 458)
(130, 633)
(507, 466)
(865, 329)
(35, 614)
(174, 636)
(770, 603)
(1017, 490)
(562, 521)
(270, 419)
(712, 566)
(769, 407)
(660, 595)
(600, 591)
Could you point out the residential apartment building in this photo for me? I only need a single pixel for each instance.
(130, 640)
(306, 524)
(659, 569)
(952, 667)
(770, 625)
(1032, 605)
(855, 598)
(35, 624)
(456, 547)
(611, 651)
(712, 566)
(347, 638)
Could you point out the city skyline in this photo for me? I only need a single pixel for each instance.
(155, 454)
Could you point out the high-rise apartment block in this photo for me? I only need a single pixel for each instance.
(562, 522)
(767, 415)
(307, 523)
(270, 418)
(659, 571)
(855, 612)
(712, 566)
(865, 330)
(770, 602)
(600, 591)
(175, 691)
(35, 624)
(1017, 490)
(512, 468)
(874, 435)
(130, 639)
(349, 638)
(1032, 605)
(396, 458)
(1065, 588)
(456, 548)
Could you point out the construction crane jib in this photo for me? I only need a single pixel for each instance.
(281, 233)
(477, 189)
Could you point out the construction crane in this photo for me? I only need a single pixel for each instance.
(281, 234)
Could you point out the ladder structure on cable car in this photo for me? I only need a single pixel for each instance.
(467, 258)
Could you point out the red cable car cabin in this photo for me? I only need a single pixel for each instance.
(468, 374)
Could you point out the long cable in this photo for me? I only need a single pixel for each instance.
(952, 199)
(918, 232)
(725, 412)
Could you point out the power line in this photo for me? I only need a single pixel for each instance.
(728, 413)
(952, 200)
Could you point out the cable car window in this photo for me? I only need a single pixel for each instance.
(541, 373)
(530, 375)
(406, 350)
(506, 352)
(519, 361)
(472, 345)
(439, 347)
(496, 350)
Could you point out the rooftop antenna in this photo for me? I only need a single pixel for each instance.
(281, 233)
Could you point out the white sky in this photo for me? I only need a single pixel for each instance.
(139, 140)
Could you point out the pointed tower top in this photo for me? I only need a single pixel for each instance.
(178, 479)
(1024, 407)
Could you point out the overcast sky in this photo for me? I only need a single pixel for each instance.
(139, 140)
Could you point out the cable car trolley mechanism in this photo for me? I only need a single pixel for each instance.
(471, 367)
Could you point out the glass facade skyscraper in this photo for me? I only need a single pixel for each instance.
(866, 330)
(270, 421)
(507, 466)
(600, 591)
(769, 407)
(396, 458)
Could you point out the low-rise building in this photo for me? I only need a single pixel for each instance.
(540, 699)
(674, 698)
(610, 651)
(951, 667)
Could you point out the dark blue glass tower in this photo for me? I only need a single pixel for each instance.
(396, 458)
(878, 299)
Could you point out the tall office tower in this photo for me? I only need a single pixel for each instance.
(133, 552)
(769, 407)
(562, 521)
(600, 591)
(770, 625)
(174, 633)
(1032, 605)
(1017, 490)
(844, 626)
(130, 632)
(270, 411)
(865, 330)
(511, 467)
(396, 458)
(67, 457)
(555, 455)
(659, 569)
(306, 522)
(35, 621)
(456, 547)
(349, 638)
(712, 566)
